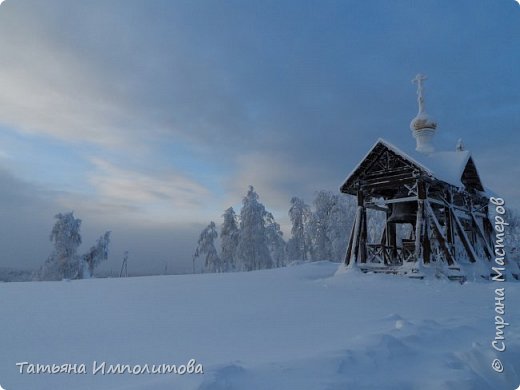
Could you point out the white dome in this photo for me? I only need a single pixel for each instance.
(423, 126)
(423, 121)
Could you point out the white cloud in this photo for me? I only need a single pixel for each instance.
(161, 195)
(276, 177)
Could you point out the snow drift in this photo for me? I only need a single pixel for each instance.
(300, 327)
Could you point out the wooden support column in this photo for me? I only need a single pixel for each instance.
(437, 230)
(363, 231)
(464, 238)
(391, 240)
(482, 235)
(350, 243)
(353, 249)
(426, 248)
(419, 224)
(488, 228)
(448, 220)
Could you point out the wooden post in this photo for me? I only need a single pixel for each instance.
(364, 236)
(356, 231)
(419, 224)
(464, 238)
(426, 248)
(391, 240)
(350, 243)
(437, 230)
(448, 220)
(482, 235)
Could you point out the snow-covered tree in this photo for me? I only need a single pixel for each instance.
(94, 256)
(206, 248)
(252, 251)
(320, 226)
(341, 219)
(229, 235)
(323, 232)
(63, 261)
(275, 241)
(298, 245)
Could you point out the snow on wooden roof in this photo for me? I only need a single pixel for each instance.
(447, 166)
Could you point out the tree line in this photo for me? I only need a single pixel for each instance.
(253, 240)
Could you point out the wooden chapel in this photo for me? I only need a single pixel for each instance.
(435, 204)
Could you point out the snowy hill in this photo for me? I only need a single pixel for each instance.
(300, 327)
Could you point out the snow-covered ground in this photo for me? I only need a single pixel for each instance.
(300, 327)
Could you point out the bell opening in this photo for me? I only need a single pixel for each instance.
(403, 212)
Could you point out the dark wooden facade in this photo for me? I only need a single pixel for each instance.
(447, 221)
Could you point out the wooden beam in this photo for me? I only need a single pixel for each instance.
(349, 247)
(374, 206)
(483, 237)
(465, 240)
(389, 172)
(437, 230)
(388, 178)
(354, 256)
(363, 238)
(355, 243)
(418, 229)
(426, 248)
(437, 201)
(400, 200)
(382, 185)
(419, 224)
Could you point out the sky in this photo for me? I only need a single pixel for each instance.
(151, 118)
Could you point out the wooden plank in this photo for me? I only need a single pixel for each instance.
(388, 178)
(387, 184)
(389, 172)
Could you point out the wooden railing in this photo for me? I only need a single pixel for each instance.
(384, 254)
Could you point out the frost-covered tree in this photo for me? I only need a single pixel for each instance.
(376, 222)
(298, 245)
(252, 251)
(229, 235)
(94, 256)
(329, 226)
(320, 226)
(63, 261)
(275, 241)
(341, 218)
(206, 248)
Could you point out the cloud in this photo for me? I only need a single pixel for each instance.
(26, 213)
(164, 113)
(27, 216)
(159, 195)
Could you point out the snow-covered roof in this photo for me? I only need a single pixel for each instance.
(447, 166)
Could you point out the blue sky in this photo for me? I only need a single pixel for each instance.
(151, 118)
